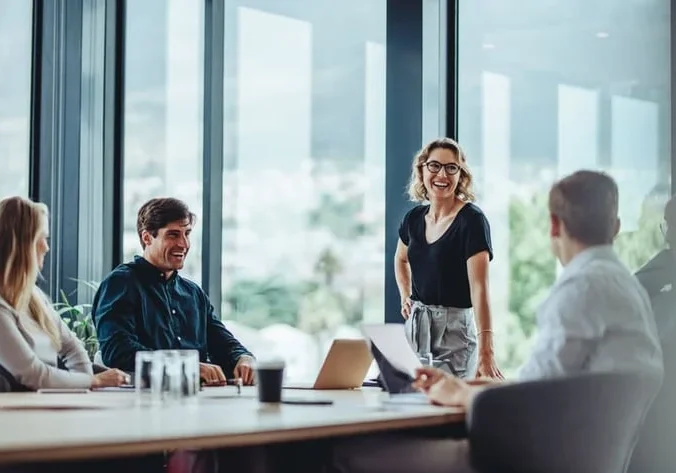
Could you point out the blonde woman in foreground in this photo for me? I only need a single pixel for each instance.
(32, 335)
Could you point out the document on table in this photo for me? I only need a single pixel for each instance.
(392, 343)
(35, 401)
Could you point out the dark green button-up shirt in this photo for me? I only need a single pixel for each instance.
(137, 309)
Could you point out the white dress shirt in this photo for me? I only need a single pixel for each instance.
(597, 318)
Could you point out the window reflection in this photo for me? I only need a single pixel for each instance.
(303, 236)
(163, 113)
(546, 91)
(15, 89)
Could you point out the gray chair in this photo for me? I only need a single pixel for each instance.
(656, 448)
(581, 424)
(8, 383)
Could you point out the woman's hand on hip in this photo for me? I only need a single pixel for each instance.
(406, 304)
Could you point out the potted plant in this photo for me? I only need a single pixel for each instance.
(78, 318)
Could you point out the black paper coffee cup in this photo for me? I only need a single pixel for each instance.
(270, 378)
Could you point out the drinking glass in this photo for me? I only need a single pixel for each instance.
(149, 377)
(184, 375)
(167, 376)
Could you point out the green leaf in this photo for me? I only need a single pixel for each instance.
(90, 284)
(63, 310)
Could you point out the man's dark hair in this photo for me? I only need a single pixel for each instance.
(158, 213)
(587, 204)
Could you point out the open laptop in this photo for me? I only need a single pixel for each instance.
(345, 367)
(396, 361)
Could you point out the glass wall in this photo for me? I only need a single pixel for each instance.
(546, 88)
(16, 26)
(304, 178)
(163, 113)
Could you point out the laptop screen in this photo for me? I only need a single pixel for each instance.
(395, 381)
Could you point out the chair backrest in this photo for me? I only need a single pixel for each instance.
(581, 424)
(8, 382)
(655, 450)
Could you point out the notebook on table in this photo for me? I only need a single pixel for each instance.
(396, 361)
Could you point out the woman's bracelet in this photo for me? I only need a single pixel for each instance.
(487, 330)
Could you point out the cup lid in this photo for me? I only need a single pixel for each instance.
(270, 363)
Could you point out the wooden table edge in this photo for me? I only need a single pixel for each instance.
(141, 447)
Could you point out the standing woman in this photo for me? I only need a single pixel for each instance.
(441, 264)
(32, 335)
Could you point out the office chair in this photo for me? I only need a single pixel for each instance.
(580, 424)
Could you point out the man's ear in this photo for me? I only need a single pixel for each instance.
(554, 226)
(618, 225)
(146, 237)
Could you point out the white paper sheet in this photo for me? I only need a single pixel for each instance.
(391, 340)
(30, 401)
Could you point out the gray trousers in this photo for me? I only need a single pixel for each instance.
(448, 333)
(400, 453)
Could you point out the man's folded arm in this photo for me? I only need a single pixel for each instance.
(114, 317)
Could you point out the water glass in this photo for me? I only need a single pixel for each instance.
(149, 376)
(183, 372)
(166, 376)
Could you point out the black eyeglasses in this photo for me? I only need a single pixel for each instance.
(435, 167)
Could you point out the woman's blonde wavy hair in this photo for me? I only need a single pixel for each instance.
(416, 187)
(21, 222)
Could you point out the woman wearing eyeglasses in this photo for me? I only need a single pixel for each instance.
(441, 265)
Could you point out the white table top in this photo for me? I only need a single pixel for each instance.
(44, 427)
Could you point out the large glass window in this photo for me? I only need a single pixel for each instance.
(15, 95)
(546, 89)
(163, 113)
(303, 234)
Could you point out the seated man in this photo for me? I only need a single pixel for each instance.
(653, 452)
(597, 318)
(658, 277)
(146, 305)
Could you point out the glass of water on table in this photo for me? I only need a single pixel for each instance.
(163, 376)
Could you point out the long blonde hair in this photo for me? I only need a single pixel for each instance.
(416, 186)
(21, 222)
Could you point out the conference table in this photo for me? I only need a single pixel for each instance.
(48, 427)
